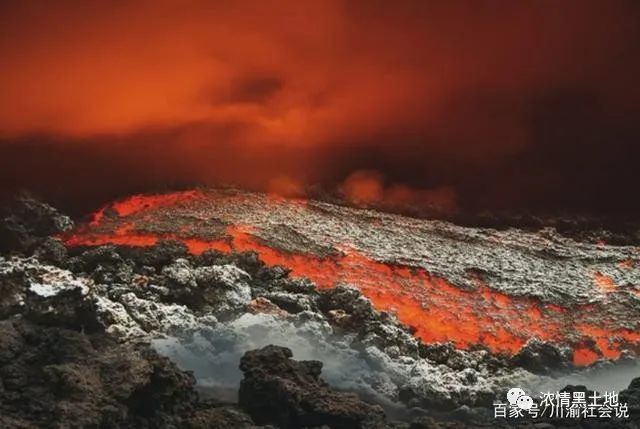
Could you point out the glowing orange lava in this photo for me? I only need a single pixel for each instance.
(438, 310)
(604, 282)
(584, 356)
(138, 203)
(123, 236)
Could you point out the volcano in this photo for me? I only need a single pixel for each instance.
(474, 288)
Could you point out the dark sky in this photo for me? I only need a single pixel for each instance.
(528, 104)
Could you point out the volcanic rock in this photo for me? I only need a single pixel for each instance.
(478, 288)
(631, 396)
(263, 305)
(291, 302)
(158, 255)
(60, 365)
(61, 378)
(377, 357)
(222, 288)
(25, 221)
(206, 310)
(349, 300)
(45, 294)
(52, 250)
(219, 416)
(291, 394)
(542, 358)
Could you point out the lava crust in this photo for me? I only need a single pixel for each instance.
(471, 287)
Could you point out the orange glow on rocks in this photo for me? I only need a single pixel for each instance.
(627, 264)
(198, 247)
(604, 282)
(137, 203)
(609, 342)
(123, 236)
(584, 356)
(438, 310)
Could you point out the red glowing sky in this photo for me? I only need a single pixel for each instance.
(428, 94)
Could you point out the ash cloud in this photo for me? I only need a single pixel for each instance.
(511, 105)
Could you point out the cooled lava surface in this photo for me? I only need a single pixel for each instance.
(468, 286)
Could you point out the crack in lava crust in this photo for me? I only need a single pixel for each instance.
(439, 310)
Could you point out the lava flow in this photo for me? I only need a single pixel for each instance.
(439, 310)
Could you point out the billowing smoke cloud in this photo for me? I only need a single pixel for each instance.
(367, 188)
(509, 104)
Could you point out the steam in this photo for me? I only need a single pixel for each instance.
(214, 357)
(604, 377)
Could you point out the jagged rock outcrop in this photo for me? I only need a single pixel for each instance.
(55, 377)
(25, 222)
(290, 394)
(543, 358)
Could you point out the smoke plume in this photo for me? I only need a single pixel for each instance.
(528, 104)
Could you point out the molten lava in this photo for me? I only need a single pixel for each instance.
(438, 310)
(138, 203)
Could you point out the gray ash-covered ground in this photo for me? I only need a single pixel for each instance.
(84, 331)
(469, 286)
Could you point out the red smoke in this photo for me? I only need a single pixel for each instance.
(366, 188)
(505, 102)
